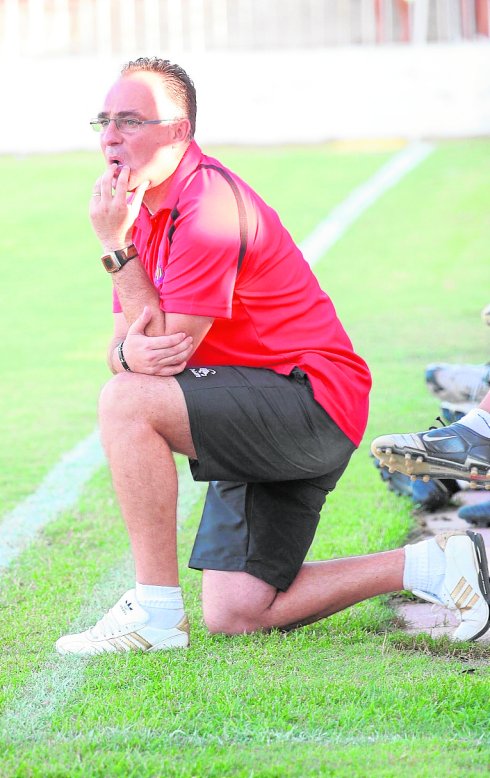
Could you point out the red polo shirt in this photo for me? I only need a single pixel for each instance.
(272, 313)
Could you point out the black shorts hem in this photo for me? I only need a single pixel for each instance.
(280, 582)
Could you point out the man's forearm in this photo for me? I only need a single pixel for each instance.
(113, 361)
(135, 290)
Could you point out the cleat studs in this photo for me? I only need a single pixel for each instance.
(474, 471)
(425, 479)
(413, 477)
(473, 485)
(408, 456)
(487, 487)
(391, 469)
(388, 451)
(419, 459)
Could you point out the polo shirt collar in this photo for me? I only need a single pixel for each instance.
(186, 166)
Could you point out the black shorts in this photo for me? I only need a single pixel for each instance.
(271, 454)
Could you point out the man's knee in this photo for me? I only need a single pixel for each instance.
(118, 396)
(235, 603)
(229, 620)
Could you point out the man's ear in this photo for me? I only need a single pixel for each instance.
(181, 130)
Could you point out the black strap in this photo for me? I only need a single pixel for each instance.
(242, 214)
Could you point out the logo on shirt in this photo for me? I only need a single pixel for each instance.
(202, 372)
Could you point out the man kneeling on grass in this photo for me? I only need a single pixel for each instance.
(225, 349)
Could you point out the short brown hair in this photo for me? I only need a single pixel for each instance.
(176, 80)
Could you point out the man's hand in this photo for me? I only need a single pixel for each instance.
(162, 355)
(113, 214)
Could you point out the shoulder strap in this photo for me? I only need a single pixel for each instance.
(242, 214)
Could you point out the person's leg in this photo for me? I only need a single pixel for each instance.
(239, 602)
(460, 450)
(450, 570)
(485, 403)
(142, 420)
(463, 385)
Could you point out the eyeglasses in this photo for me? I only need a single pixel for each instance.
(124, 124)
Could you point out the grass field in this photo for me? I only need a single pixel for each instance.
(351, 696)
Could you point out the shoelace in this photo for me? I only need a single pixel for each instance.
(443, 424)
(107, 626)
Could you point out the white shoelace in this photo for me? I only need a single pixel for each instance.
(107, 627)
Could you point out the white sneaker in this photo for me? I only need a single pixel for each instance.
(123, 629)
(466, 586)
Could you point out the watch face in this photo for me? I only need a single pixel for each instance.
(109, 263)
(117, 259)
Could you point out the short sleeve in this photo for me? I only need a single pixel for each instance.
(116, 305)
(202, 264)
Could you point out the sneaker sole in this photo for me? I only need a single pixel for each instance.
(419, 465)
(483, 575)
(176, 641)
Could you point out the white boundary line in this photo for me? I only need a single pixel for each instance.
(58, 492)
(331, 229)
(62, 487)
(28, 716)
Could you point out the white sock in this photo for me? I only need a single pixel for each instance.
(425, 566)
(164, 604)
(477, 420)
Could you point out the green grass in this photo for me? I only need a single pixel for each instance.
(351, 696)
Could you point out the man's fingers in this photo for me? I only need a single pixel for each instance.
(173, 359)
(137, 197)
(164, 342)
(173, 370)
(121, 186)
(106, 183)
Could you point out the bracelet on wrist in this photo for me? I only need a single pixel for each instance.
(120, 354)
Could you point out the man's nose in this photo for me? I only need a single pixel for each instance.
(111, 132)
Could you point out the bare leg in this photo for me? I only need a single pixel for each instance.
(238, 602)
(142, 420)
(485, 403)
